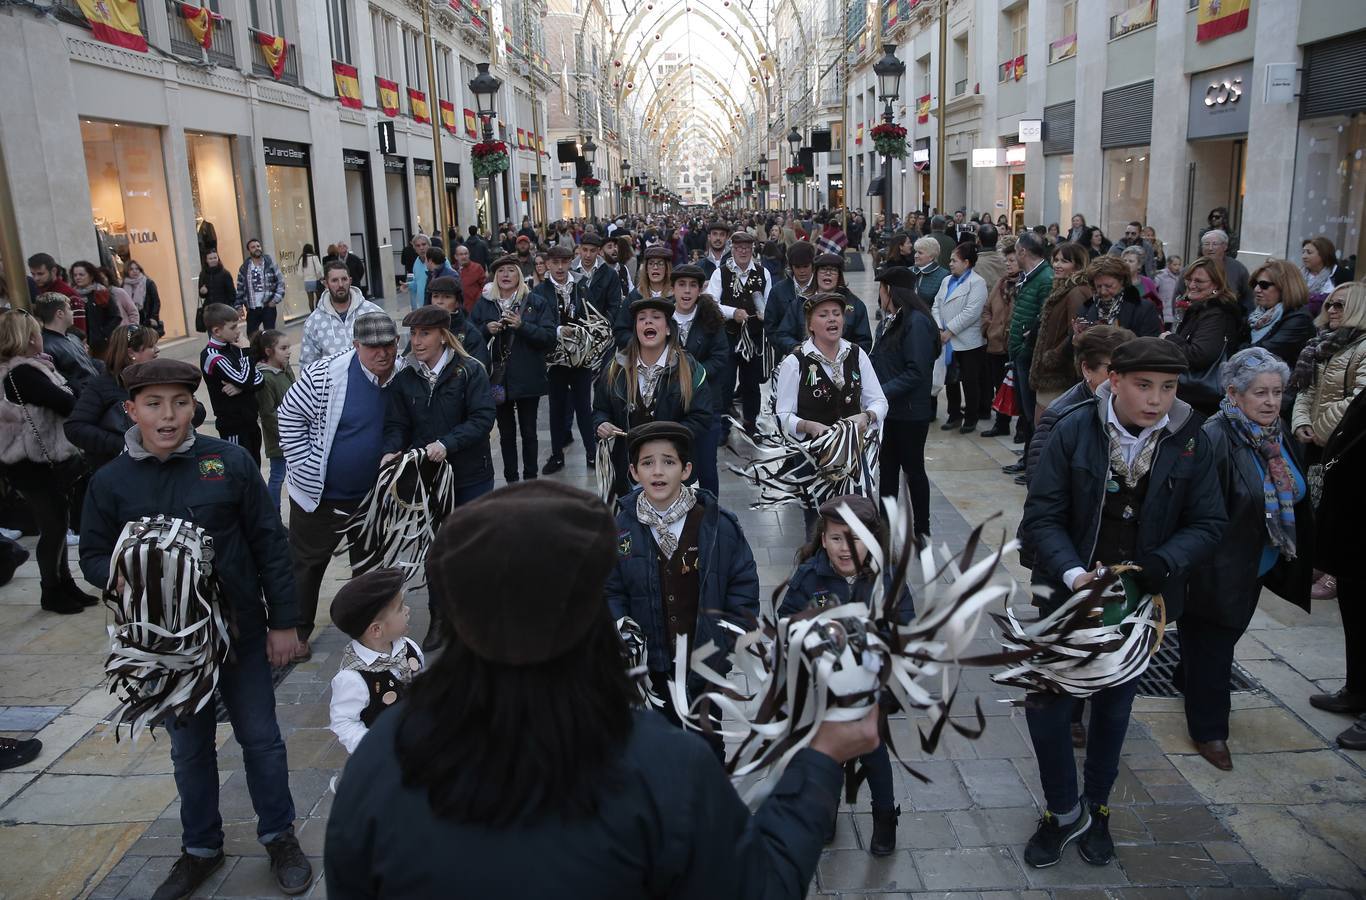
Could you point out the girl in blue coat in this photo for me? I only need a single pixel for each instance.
(832, 569)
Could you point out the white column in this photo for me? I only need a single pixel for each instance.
(1036, 88)
(1092, 36)
(1272, 131)
(1169, 157)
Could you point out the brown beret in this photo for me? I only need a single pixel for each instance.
(1149, 354)
(657, 252)
(718, 226)
(820, 297)
(160, 371)
(863, 509)
(829, 261)
(741, 237)
(363, 598)
(445, 285)
(802, 253)
(591, 238)
(507, 259)
(427, 317)
(662, 430)
(688, 270)
(559, 252)
(509, 612)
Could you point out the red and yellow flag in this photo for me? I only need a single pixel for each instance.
(1217, 18)
(417, 105)
(447, 115)
(470, 129)
(274, 49)
(858, 135)
(521, 139)
(348, 84)
(199, 19)
(1019, 67)
(922, 110)
(388, 96)
(115, 22)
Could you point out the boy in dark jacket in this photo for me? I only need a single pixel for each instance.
(232, 380)
(444, 292)
(170, 470)
(1126, 477)
(683, 562)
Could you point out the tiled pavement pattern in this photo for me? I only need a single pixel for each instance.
(95, 818)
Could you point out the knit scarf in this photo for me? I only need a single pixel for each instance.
(395, 663)
(660, 521)
(137, 289)
(1278, 484)
(1132, 473)
(94, 293)
(1261, 320)
(1107, 311)
(1318, 351)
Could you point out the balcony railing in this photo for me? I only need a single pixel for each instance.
(223, 51)
(70, 11)
(259, 67)
(1140, 15)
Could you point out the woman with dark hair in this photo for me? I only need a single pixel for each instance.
(311, 271)
(216, 284)
(903, 357)
(1052, 370)
(900, 251)
(1095, 242)
(1115, 301)
(1279, 321)
(1218, 220)
(1213, 326)
(1319, 266)
(98, 422)
(106, 307)
(143, 292)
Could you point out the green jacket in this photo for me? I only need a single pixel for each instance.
(275, 382)
(1024, 315)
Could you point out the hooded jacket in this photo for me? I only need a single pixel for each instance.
(327, 333)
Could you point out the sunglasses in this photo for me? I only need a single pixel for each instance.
(1336, 304)
(1264, 285)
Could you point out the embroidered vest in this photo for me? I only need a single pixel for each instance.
(680, 580)
(818, 400)
(738, 291)
(1117, 540)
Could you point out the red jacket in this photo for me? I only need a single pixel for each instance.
(471, 284)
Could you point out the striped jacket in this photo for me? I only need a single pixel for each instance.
(308, 417)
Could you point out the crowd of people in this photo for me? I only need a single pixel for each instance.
(1162, 409)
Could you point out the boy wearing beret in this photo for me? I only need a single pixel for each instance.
(379, 664)
(683, 564)
(1127, 476)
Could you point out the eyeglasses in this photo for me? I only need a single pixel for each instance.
(1264, 285)
(1336, 304)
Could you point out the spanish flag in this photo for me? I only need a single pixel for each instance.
(858, 135)
(447, 115)
(922, 110)
(1217, 18)
(348, 84)
(274, 49)
(417, 105)
(521, 139)
(388, 96)
(115, 22)
(199, 19)
(470, 129)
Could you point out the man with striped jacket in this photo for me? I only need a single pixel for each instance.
(331, 431)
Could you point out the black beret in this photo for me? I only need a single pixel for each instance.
(160, 371)
(863, 509)
(802, 253)
(829, 261)
(1148, 354)
(509, 612)
(718, 226)
(688, 270)
(820, 297)
(896, 276)
(657, 252)
(363, 598)
(741, 237)
(591, 238)
(444, 285)
(559, 252)
(427, 317)
(663, 304)
(661, 430)
(507, 259)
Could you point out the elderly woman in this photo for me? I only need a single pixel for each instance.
(929, 273)
(958, 308)
(1319, 267)
(1213, 325)
(1280, 323)
(1052, 370)
(1115, 301)
(1267, 542)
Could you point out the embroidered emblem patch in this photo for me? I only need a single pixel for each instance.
(211, 468)
(624, 544)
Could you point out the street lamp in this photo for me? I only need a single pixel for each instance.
(589, 149)
(625, 187)
(888, 70)
(794, 137)
(485, 88)
(762, 193)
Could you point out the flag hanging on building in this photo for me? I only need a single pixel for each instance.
(115, 22)
(199, 20)
(388, 96)
(521, 139)
(922, 110)
(417, 105)
(447, 115)
(470, 128)
(858, 136)
(348, 84)
(1019, 67)
(1217, 18)
(274, 50)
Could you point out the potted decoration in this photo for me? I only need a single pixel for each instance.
(488, 158)
(890, 140)
(591, 186)
(795, 174)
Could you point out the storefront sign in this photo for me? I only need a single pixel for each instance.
(1280, 83)
(1015, 156)
(987, 158)
(1031, 131)
(1217, 105)
(387, 142)
(452, 174)
(422, 167)
(355, 160)
(285, 153)
(396, 164)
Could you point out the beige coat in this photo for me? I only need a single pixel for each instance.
(1340, 379)
(32, 433)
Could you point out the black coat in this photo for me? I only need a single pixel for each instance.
(603, 290)
(1288, 336)
(1135, 313)
(355, 267)
(712, 350)
(98, 423)
(668, 824)
(781, 307)
(151, 304)
(609, 399)
(479, 249)
(903, 358)
(1337, 549)
(1209, 329)
(526, 348)
(1224, 591)
(458, 412)
(216, 286)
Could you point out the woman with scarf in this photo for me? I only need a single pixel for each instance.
(1330, 372)
(651, 379)
(106, 307)
(957, 309)
(1212, 326)
(1053, 370)
(1266, 543)
(1279, 321)
(1320, 269)
(652, 279)
(1115, 301)
(143, 292)
(829, 275)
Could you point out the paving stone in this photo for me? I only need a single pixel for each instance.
(27, 718)
(993, 783)
(993, 827)
(1250, 731)
(846, 833)
(1313, 651)
(59, 861)
(1168, 864)
(1150, 893)
(1294, 690)
(1288, 778)
(1247, 893)
(1229, 851)
(1072, 871)
(91, 799)
(98, 753)
(12, 783)
(980, 867)
(944, 791)
(915, 831)
(1339, 825)
(856, 870)
(1246, 874)
(1181, 823)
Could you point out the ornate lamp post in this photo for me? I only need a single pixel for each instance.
(485, 88)
(625, 187)
(794, 138)
(761, 182)
(888, 70)
(589, 150)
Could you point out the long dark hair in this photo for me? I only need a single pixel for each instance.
(814, 545)
(491, 744)
(708, 314)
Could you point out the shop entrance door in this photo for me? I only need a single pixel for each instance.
(1216, 177)
(1017, 202)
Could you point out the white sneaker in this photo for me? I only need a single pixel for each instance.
(72, 539)
(11, 534)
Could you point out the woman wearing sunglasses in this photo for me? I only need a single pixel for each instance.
(1279, 320)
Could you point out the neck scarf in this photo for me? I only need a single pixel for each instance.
(836, 365)
(94, 292)
(1261, 320)
(1321, 348)
(137, 289)
(430, 373)
(649, 378)
(396, 663)
(660, 521)
(1278, 484)
(1131, 473)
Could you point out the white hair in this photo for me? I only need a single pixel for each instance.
(1244, 366)
(1218, 235)
(927, 245)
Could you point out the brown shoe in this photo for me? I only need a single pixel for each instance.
(1216, 752)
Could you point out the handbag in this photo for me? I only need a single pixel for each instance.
(66, 471)
(498, 373)
(199, 320)
(1202, 389)
(1006, 401)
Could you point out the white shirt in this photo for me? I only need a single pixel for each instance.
(684, 321)
(674, 528)
(350, 696)
(760, 300)
(871, 398)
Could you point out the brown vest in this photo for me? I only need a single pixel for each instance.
(679, 579)
(823, 402)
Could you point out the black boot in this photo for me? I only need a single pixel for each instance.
(435, 632)
(73, 590)
(57, 600)
(884, 831)
(188, 873)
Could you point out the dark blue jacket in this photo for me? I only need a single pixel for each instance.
(781, 330)
(458, 412)
(903, 358)
(603, 290)
(1182, 519)
(609, 399)
(729, 588)
(216, 486)
(856, 328)
(712, 350)
(525, 375)
(470, 338)
(816, 577)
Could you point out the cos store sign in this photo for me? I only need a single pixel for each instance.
(1217, 107)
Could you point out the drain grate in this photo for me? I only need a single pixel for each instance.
(1157, 680)
(220, 709)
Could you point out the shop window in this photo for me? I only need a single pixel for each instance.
(126, 170)
(213, 190)
(339, 29)
(1126, 188)
(1330, 185)
(291, 225)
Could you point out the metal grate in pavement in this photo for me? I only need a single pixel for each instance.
(1157, 680)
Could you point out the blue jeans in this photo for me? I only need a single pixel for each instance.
(244, 683)
(704, 467)
(276, 480)
(1050, 728)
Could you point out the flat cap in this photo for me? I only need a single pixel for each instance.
(374, 330)
(663, 304)
(661, 430)
(896, 276)
(427, 317)
(506, 611)
(445, 285)
(363, 598)
(591, 238)
(718, 226)
(820, 297)
(658, 251)
(688, 270)
(160, 371)
(1148, 354)
(559, 252)
(507, 259)
(741, 237)
(829, 261)
(802, 253)
(863, 509)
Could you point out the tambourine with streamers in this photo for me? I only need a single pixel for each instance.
(843, 460)
(397, 521)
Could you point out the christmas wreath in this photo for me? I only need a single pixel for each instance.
(795, 174)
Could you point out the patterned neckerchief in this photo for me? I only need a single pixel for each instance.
(660, 521)
(835, 365)
(649, 379)
(399, 662)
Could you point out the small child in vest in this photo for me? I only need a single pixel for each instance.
(378, 665)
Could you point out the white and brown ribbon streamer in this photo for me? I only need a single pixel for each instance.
(397, 521)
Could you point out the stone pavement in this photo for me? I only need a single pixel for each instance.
(96, 818)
